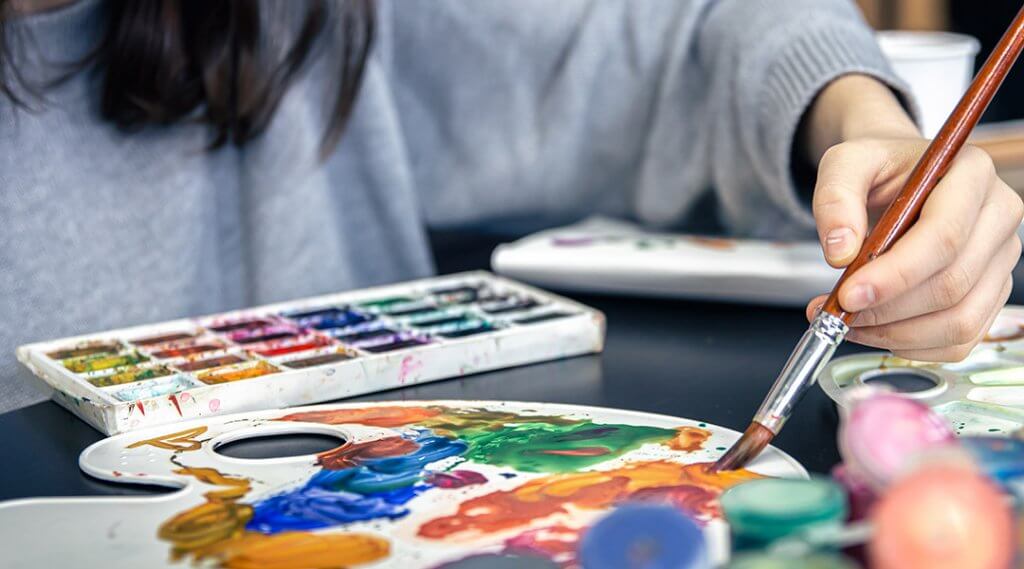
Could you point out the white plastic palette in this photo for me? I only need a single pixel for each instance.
(311, 350)
(415, 484)
(982, 395)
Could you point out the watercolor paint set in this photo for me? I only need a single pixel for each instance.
(982, 395)
(610, 256)
(310, 350)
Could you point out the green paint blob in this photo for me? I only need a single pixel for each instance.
(546, 447)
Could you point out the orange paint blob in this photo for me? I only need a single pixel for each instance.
(300, 550)
(352, 454)
(942, 517)
(543, 497)
(392, 416)
(689, 439)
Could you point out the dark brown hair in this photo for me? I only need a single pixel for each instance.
(164, 61)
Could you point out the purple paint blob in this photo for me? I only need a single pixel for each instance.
(455, 479)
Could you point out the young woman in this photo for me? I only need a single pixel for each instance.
(163, 158)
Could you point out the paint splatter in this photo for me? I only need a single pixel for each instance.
(181, 441)
(215, 531)
(410, 365)
(540, 447)
(689, 439)
(363, 481)
(556, 494)
(455, 479)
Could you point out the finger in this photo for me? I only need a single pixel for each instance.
(933, 243)
(958, 353)
(846, 174)
(813, 306)
(993, 242)
(951, 327)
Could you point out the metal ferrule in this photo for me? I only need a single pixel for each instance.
(801, 370)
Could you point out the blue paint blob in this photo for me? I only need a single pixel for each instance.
(373, 489)
(328, 318)
(644, 537)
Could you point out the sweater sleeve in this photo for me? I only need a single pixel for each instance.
(765, 61)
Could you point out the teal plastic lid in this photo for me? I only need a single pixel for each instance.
(771, 508)
(765, 561)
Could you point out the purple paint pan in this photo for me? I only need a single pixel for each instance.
(392, 342)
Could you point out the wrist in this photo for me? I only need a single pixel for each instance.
(851, 107)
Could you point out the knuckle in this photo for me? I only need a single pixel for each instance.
(1014, 206)
(953, 284)
(948, 240)
(959, 353)
(964, 327)
(979, 159)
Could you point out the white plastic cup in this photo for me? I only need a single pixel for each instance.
(938, 66)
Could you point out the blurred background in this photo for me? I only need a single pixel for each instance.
(1002, 129)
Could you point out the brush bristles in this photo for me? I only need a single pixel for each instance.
(753, 441)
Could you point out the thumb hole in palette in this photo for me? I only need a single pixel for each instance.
(282, 445)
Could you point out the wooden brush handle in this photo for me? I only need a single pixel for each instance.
(933, 165)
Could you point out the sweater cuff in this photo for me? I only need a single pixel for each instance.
(798, 72)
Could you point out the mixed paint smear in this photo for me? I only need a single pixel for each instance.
(435, 449)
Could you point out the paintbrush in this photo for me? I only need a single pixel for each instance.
(830, 324)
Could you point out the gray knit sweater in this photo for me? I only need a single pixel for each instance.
(471, 113)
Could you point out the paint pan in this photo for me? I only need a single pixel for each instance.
(131, 375)
(462, 328)
(459, 295)
(154, 388)
(216, 361)
(982, 395)
(391, 343)
(85, 349)
(237, 372)
(325, 318)
(186, 348)
(102, 361)
(319, 360)
(363, 332)
(264, 334)
(760, 512)
(436, 318)
(162, 339)
(508, 305)
(289, 345)
(225, 325)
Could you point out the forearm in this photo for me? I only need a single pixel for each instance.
(851, 107)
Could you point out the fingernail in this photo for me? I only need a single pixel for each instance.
(862, 297)
(839, 243)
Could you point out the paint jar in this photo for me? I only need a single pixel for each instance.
(936, 65)
(1002, 460)
(881, 432)
(860, 496)
(776, 561)
(763, 511)
(642, 536)
(944, 515)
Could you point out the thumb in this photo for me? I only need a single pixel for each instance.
(845, 176)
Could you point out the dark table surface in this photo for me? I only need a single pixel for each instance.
(706, 361)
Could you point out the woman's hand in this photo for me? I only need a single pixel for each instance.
(935, 293)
